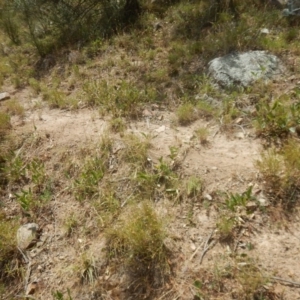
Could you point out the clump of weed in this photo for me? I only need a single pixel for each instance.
(158, 181)
(4, 125)
(281, 172)
(107, 205)
(186, 114)
(117, 125)
(35, 85)
(226, 226)
(58, 295)
(88, 179)
(14, 108)
(276, 120)
(138, 242)
(205, 110)
(71, 223)
(55, 98)
(124, 100)
(136, 150)
(38, 188)
(86, 185)
(201, 134)
(88, 269)
(9, 262)
(239, 200)
(194, 186)
(251, 279)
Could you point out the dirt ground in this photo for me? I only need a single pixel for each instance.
(225, 164)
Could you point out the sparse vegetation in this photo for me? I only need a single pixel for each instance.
(124, 60)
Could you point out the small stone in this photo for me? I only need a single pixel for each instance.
(238, 120)
(193, 247)
(147, 113)
(161, 129)
(4, 96)
(39, 244)
(44, 238)
(239, 135)
(26, 234)
(251, 205)
(207, 197)
(265, 31)
(263, 202)
(157, 26)
(40, 268)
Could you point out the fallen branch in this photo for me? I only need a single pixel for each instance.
(207, 246)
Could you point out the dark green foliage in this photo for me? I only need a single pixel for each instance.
(53, 24)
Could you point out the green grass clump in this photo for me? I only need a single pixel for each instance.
(202, 134)
(4, 124)
(157, 181)
(124, 100)
(117, 125)
(276, 120)
(86, 185)
(14, 108)
(136, 150)
(9, 263)
(138, 241)
(280, 171)
(186, 114)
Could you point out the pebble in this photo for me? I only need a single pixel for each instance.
(4, 96)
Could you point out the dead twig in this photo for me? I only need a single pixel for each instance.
(207, 246)
(296, 284)
(24, 256)
(238, 240)
(26, 297)
(28, 273)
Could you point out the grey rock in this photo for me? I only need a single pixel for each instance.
(4, 96)
(243, 69)
(265, 31)
(26, 234)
